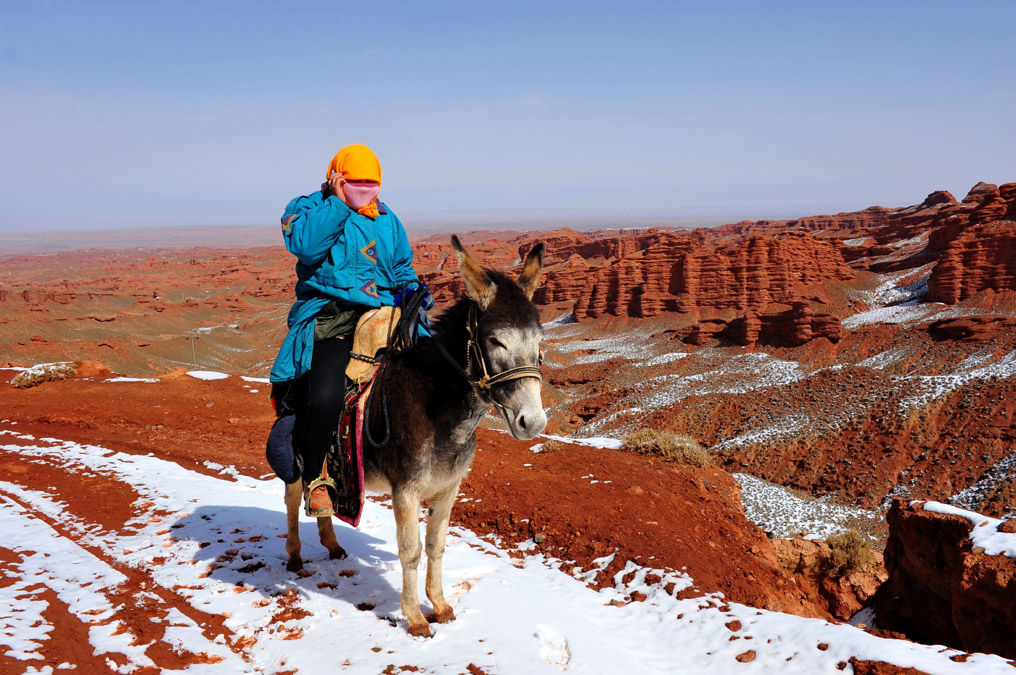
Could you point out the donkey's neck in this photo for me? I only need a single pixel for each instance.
(450, 332)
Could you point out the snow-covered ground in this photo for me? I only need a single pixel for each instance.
(207, 374)
(629, 345)
(214, 542)
(783, 514)
(1003, 470)
(984, 533)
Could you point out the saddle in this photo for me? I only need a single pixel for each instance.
(373, 333)
(342, 471)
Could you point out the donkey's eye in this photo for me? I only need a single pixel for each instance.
(494, 342)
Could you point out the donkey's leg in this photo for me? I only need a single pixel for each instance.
(437, 530)
(326, 532)
(294, 495)
(407, 523)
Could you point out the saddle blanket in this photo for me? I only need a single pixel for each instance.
(345, 457)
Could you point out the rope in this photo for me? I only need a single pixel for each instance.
(413, 300)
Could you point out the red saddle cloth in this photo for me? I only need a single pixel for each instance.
(345, 458)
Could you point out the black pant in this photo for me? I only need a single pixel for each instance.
(317, 398)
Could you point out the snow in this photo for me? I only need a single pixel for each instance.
(719, 373)
(985, 532)
(131, 379)
(895, 314)
(259, 380)
(855, 242)
(895, 304)
(664, 358)
(562, 320)
(41, 368)
(785, 427)
(886, 359)
(514, 615)
(888, 295)
(739, 374)
(987, 484)
(631, 345)
(207, 374)
(602, 442)
(778, 511)
(975, 367)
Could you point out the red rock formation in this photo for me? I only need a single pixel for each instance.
(740, 291)
(681, 274)
(565, 243)
(845, 595)
(940, 591)
(841, 223)
(939, 212)
(565, 282)
(983, 328)
(982, 257)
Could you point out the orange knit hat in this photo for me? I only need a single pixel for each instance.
(356, 162)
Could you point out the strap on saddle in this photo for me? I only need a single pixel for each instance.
(373, 334)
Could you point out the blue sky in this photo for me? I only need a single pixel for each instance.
(217, 113)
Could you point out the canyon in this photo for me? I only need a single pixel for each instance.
(865, 359)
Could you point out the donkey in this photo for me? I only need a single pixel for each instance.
(485, 352)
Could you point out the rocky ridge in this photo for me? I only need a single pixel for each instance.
(944, 590)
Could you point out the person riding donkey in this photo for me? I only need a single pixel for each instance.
(352, 254)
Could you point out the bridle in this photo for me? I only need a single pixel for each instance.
(486, 382)
(482, 386)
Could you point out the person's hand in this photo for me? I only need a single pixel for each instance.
(335, 183)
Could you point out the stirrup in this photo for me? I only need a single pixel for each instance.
(321, 511)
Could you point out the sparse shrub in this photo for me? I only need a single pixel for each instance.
(850, 551)
(682, 449)
(551, 446)
(44, 372)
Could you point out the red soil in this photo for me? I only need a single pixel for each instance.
(701, 527)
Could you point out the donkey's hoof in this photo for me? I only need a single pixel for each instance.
(338, 553)
(441, 615)
(420, 629)
(294, 565)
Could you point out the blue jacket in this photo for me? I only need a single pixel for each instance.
(341, 255)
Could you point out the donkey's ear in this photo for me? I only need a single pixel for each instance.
(530, 277)
(478, 284)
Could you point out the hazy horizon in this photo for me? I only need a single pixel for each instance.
(121, 114)
(528, 219)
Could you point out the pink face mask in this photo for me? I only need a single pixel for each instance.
(359, 195)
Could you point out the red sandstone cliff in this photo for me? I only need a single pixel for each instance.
(765, 287)
(984, 203)
(941, 589)
(983, 257)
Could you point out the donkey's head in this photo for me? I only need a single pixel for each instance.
(506, 338)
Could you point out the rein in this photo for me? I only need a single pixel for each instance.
(413, 303)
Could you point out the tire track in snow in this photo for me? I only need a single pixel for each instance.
(122, 599)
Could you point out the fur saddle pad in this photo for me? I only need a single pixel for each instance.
(345, 457)
(373, 333)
